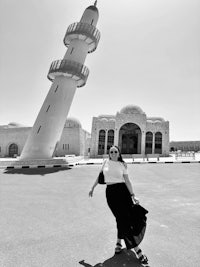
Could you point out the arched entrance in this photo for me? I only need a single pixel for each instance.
(130, 139)
(13, 150)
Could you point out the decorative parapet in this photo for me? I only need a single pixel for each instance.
(70, 69)
(83, 31)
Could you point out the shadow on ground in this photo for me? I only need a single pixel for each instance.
(36, 171)
(125, 258)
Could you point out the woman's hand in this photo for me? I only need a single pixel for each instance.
(135, 200)
(91, 192)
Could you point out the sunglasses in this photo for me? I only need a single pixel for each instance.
(111, 152)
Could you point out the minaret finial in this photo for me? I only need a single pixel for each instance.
(95, 3)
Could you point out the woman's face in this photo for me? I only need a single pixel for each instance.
(114, 153)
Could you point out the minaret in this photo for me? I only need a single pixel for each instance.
(66, 74)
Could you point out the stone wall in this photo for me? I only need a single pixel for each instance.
(9, 136)
(74, 140)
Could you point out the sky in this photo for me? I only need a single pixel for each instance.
(148, 56)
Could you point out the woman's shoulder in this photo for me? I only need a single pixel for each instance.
(105, 161)
(124, 164)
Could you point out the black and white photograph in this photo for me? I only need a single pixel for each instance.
(100, 133)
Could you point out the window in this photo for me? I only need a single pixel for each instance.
(72, 50)
(39, 129)
(148, 143)
(101, 143)
(48, 108)
(56, 89)
(110, 139)
(158, 143)
(65, 146)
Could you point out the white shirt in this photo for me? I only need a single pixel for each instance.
(113, 171)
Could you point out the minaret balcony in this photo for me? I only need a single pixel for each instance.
(83, 31)
(69, 69)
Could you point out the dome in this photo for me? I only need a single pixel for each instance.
(131, 109)
(156, 119)
(15, 124)
(105, 116)
(73, 122)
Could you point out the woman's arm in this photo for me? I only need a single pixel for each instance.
(96, 182)
(93, 187)
(130, 188)
(128, 184)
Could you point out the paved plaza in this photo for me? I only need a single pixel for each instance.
(48, 220)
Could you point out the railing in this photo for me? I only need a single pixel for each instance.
(146, 156)
(189, 154)
(69, 68)
(88, 30)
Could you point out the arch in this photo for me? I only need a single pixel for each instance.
(101, 142)
(158, 143)
(148, 143)
(110, 141)
(130, 136)
(12, 150)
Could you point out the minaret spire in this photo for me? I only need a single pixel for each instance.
(95, 3)
(66, 75)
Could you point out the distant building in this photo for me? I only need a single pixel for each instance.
(12, 139)
(185, 146)
(132, 131)
(74, 140)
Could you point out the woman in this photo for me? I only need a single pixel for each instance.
(120, 198)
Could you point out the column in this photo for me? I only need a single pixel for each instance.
(106, 142)
(153, 144)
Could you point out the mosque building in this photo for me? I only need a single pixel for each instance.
(12, 139)
(130, 129)
(74, 140)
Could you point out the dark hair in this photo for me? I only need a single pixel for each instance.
(120, 155)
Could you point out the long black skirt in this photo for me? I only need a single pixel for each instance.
(130, 218)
